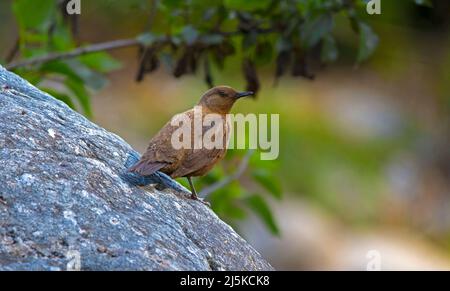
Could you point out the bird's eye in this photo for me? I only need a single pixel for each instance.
(222, 93)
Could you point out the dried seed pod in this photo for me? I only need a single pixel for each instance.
(152, 63)
(194, 56)
(182, 64)
(208, 76)
(300, 66)
(148, 62)
(282, 63)
(250, 76)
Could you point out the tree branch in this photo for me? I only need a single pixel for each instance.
(105, 46)
(228, 179)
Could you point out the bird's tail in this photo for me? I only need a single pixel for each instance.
(146, 168)
(134, 168)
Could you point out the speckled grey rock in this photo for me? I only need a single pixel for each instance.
(64, 197)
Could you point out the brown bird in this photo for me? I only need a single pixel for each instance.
(189, 162)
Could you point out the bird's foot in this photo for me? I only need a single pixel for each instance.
(195, 197)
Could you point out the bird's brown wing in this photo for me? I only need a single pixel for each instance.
(159, 154)
(146, 168)
(197, 162)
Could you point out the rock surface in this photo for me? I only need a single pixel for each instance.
(65, 202)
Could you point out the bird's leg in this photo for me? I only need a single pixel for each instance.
(194, 193)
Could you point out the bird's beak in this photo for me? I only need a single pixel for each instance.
(243, 94)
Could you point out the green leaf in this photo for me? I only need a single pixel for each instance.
(189, 34)
(147, 38)
(212, 39)
(283, 44)
(329, 52)
(260, 207)
(249, 40)
(233, 211)
(61, 39)
(32, 14)
(247, 4)
(73, 69)
(101, 62)
(31, 76)
(368, 42)
(90, 78)
(204, 5)
(313, 30)
(77, 88)
(60, 67)
(172, 4)
(268, 181)
(60, 96)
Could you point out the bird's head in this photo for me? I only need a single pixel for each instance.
(220, 99)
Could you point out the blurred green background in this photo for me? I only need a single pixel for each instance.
(364, 147)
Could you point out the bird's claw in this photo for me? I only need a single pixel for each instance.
(205, 202)
(195, 197)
